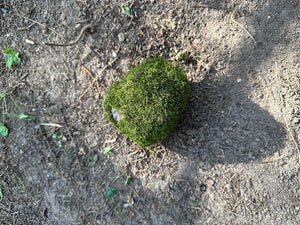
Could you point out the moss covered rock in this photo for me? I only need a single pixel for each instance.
(146, 104)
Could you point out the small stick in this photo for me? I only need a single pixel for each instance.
(285, 120)
(96, 78)
(201, 5)
(240, 25)
(17, 85)
(87, 71)
(3, 172)
(125, 3)
(87, 27)
(26, 28)
(51, 124)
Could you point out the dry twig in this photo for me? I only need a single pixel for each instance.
(85, 28)
(240, 25)
(51, 124)
(3, 171)
(96, 78)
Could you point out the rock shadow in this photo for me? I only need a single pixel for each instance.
(222, 125)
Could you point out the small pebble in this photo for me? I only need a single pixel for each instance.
(81, 151)
(203, 187)
(29, 42)
(121, 37)
(239, 80)
(154, 207)
(114, 55)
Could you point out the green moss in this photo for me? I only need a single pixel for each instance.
(148, 100)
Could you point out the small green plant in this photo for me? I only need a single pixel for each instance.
(26, 117)
(3, 128)
(128, 10)
(57, 138)
(57, 135)
(13, 58)
(153, 151)
(128, 180)
(183, 58)
(111, 192)
(107, 150)
(1, 195)
(146, 104)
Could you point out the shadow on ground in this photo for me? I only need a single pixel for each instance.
(222, 125)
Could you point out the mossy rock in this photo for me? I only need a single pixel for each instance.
(146, 104)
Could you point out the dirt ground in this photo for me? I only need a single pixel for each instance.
(234, 155)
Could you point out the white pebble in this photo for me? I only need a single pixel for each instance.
(117, 115)
(29, 42)
(121, 37)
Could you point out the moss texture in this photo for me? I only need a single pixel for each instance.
(149, 101)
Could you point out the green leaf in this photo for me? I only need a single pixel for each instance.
(107, 150)
(3, 130)
(59, 144)
(200, 203)
(154, 151)
(26, 117)
(57, 135)
(1, 195)
(128, 179)
(12, 57)
(128, 10)
(111, 192)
